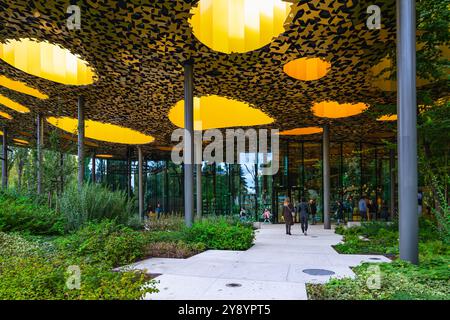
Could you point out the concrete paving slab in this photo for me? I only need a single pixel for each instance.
(272, 269)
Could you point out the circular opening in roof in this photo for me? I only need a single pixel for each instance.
(47, 61)
(302, 131)
(212, 112)
(388, 118)
(5, 101)
(238, 25)
(334, 110)
(307, 69)
(318, 272)
(102, 131)
(5, 115)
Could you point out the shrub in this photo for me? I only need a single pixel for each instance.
(21, 214)
(42, 278)
(107, 242)
(29, 272)
(175, 249)
(94, 203)
(219, 234)
(165, 223)
(15, 245)
(399, 280)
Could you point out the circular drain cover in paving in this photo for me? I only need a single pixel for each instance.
(318, 272)
(233, 285)
(374, 259)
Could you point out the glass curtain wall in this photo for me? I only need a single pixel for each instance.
(357, 169)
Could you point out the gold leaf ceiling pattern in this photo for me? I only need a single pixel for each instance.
(137, 48)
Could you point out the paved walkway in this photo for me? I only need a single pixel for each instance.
(272, 269)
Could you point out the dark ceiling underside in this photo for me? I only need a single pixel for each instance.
(137, 48)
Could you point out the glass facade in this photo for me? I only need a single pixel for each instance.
(356, 169)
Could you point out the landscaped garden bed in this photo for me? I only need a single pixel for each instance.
(398, 279)
(40, 246)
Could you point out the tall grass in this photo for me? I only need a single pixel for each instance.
(94, 203)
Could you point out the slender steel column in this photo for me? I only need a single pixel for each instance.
(129, 172)
(188, 143)
(140, 183)
(392, 181)
(326, 177)
(407, 130)
(198, 170)
(80, 141)
(5, 159)
(303, 170)
(166, 186)
(39, 145)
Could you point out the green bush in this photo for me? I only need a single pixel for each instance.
(220, 234)
(399, 280)
(165, 223)
(94, 203)
(107, 242)
(15, 245)
(176, 249)
(21, 214)
(45, 279)
(28, 272)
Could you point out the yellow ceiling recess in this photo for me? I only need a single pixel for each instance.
(5, 115)
(13, 105)
(102, 131)
(238, 25)
(388, 118)
(46, 60)
(307, 69)
(333, 109)
(216, 112)
(21, 87)
(104, 156)
(20, 141)
(302, 131)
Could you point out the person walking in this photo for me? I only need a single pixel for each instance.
(313, 210)
(339, 212)
(158, 210)
(288, 214)
(304, 215)
(266, 215)
(362, 205)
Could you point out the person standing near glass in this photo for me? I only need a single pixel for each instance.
(288, 214)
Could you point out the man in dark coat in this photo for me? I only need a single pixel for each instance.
(304, 215)
(288, 212)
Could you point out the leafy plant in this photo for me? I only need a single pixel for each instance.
(94, 203)
(105, 243)
(219, 234)
(21, 214)
(175, 249)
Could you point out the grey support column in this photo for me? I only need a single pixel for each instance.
(129, 173)
(80, 142)
(39, 145)
(407, 130)
(188, 143)
(5, 159)
(140, 182)
(392, 181)
(326, 177)
(198, 175)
